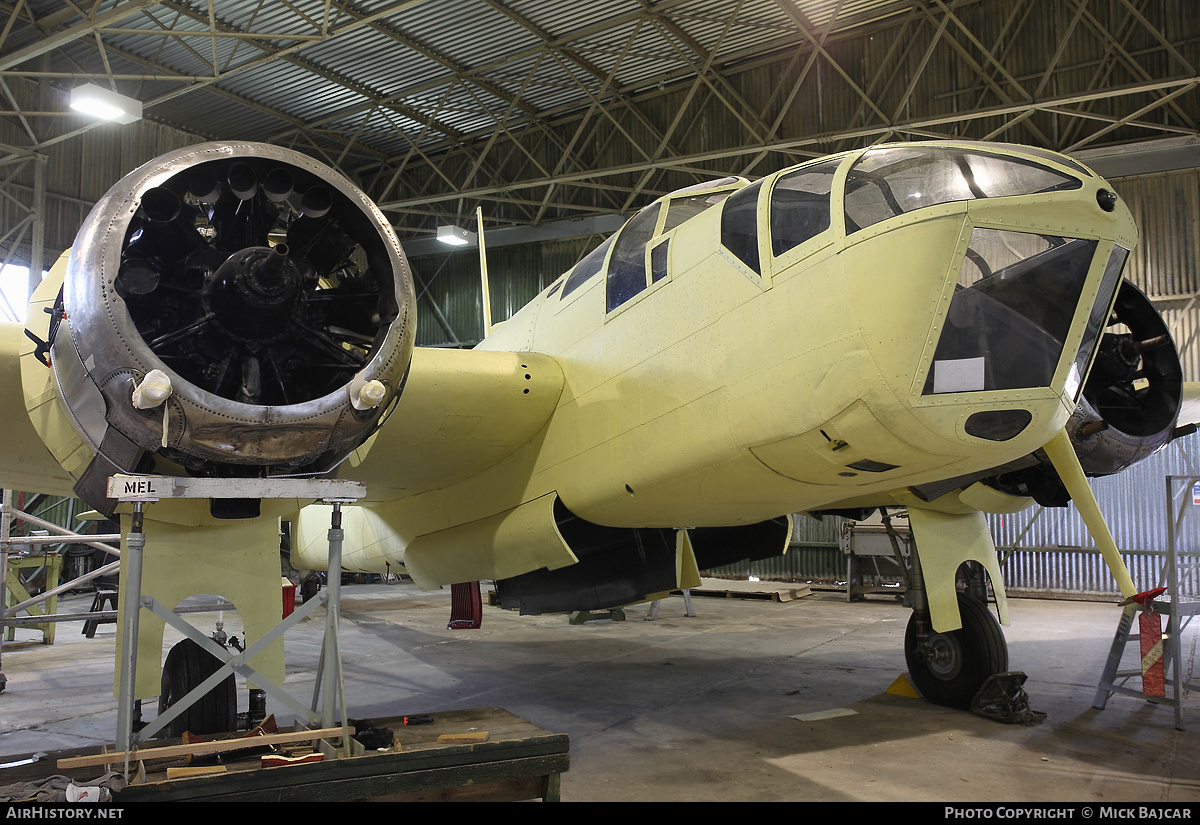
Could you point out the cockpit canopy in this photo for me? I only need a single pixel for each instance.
(891, 181)
(987, 314)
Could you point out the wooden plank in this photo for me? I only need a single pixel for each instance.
(519, 760)
(736, 588)
(196, 748)
(206, 770)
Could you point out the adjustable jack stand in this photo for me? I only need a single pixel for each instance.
(142, 490)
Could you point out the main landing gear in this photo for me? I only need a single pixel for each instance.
(186, 667)
(950, 668)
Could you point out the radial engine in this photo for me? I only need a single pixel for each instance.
(229, 310)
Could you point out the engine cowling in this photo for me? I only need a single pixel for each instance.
(1133, 394)
(233, 309)
(1129, 407)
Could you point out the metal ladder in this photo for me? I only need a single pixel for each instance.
(1178, 576)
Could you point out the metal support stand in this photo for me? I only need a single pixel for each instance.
(8, 617)
(135, 542)
(687, 606)
(5, 528)
(1178, 607)
(330, 685)
(140, 490)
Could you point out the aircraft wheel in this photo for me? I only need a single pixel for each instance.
(188, 665)
(309, 587)
(951, 667)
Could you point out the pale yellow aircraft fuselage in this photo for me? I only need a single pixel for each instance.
(726, 393)
(902, 325)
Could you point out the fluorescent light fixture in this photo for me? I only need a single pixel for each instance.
(455, 237)
(106, 104)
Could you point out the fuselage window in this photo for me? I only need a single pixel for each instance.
(800, 205)
(1097, 321)
(739, 225)
(1045, 154)
(887, 182)
(586, 268)
(627, 269)
(658, 262)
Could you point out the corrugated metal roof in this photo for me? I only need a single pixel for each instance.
(409, 53)
(612, 85)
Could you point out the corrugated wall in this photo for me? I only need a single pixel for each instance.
(1052, 551)
(1166, 208)
(1166, 264)
(1133, 502)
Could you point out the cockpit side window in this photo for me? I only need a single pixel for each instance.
(884, 183)
(627, 268)
(800, 205)
(586, 268)
(739, 225)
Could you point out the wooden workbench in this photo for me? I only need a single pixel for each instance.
(518, 761)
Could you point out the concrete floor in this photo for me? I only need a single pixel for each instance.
(699, 708)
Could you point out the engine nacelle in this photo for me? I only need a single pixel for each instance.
(1133, 395)
(233, 309)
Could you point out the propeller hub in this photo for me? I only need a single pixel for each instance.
(254, 294)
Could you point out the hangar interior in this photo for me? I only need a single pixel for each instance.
(555, 123)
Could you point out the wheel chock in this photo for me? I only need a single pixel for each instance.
(903, 687)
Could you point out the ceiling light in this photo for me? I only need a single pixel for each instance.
(106, 104)
(454, 236)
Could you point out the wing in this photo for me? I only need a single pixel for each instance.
(1189, 411)
(461, 411)
(28, 463)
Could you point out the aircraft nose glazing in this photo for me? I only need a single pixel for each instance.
(1011, 312)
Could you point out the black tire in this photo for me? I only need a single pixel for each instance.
(188, 665)
(963, 659)
(309, 587)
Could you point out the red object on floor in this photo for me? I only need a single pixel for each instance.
(1151, 637)
(466, 606)
(289, 597)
